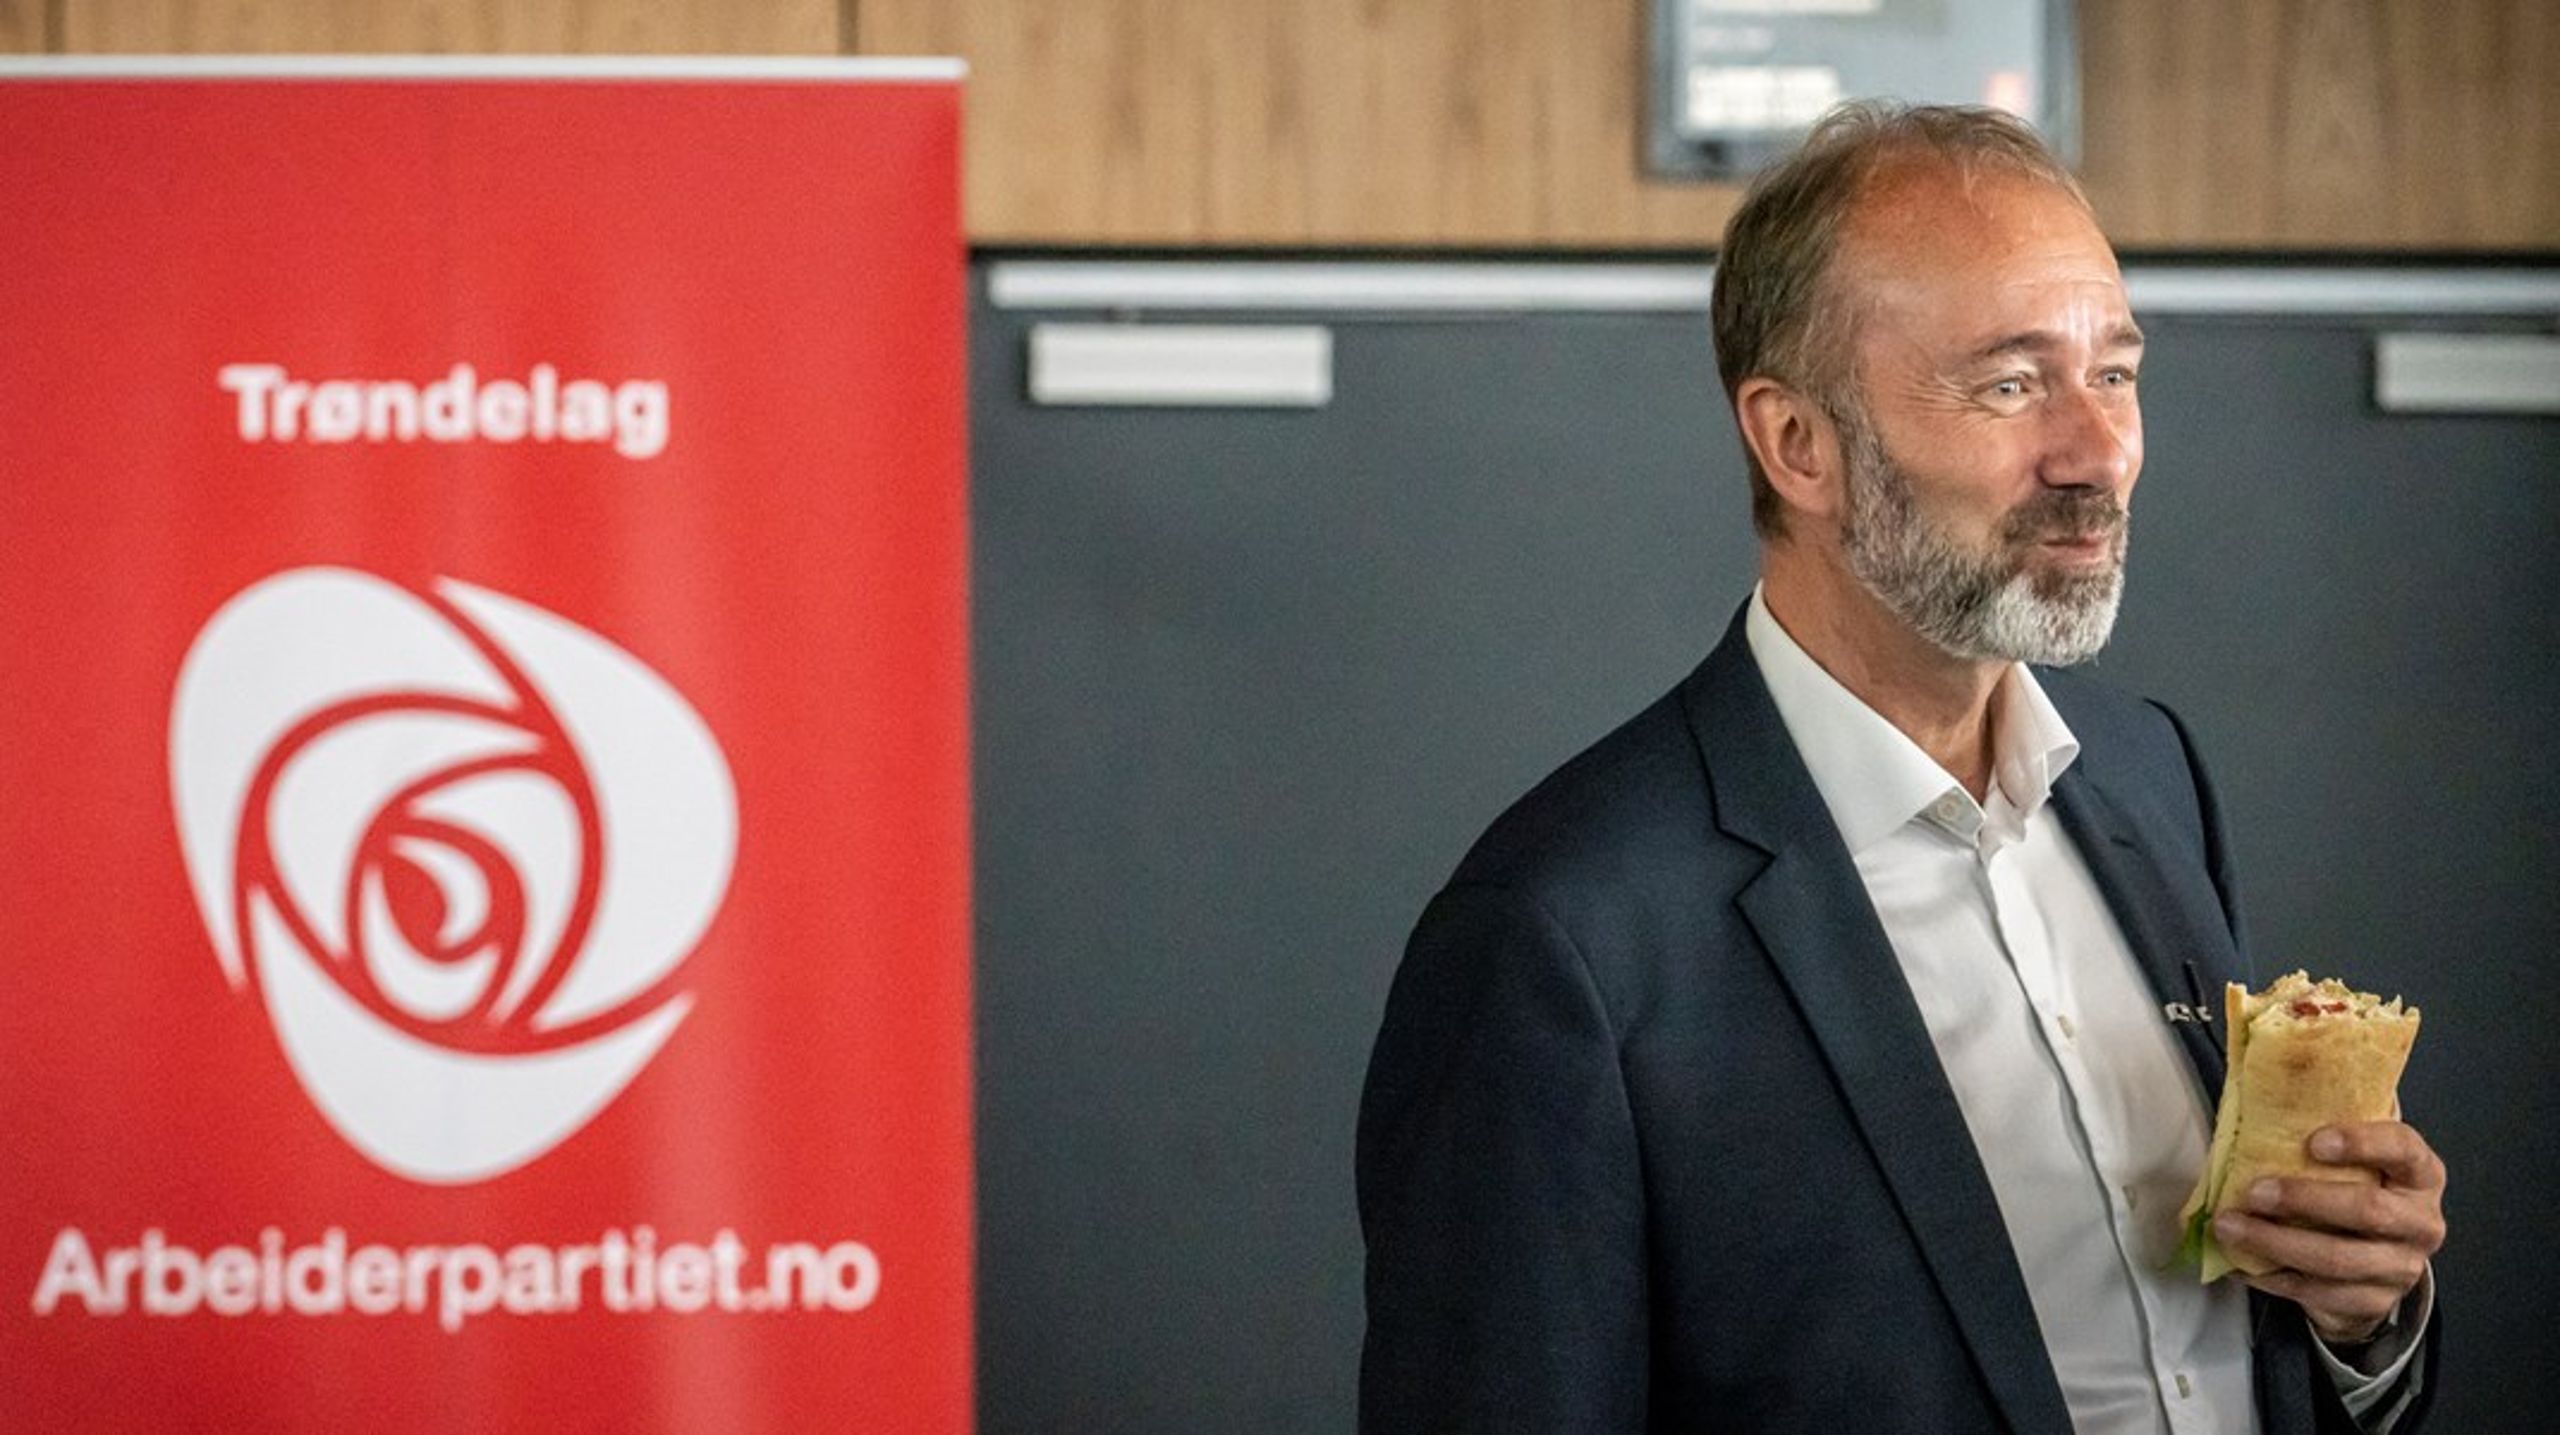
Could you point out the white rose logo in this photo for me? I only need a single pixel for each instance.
(461, 847)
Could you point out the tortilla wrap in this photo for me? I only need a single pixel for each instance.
(2302, 1055)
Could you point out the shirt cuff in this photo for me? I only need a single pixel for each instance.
(2369, 1386)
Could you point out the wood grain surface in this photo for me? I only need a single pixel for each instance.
(22, 29)
(452, 27)
(2352, 124)
(1328, 122)
(2217, 124)
(2343, 125)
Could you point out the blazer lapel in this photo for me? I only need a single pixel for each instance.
(1811, 912)
(2164, 922)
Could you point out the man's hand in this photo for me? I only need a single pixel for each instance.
(2346, 1252)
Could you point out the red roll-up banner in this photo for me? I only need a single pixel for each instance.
(484, 905)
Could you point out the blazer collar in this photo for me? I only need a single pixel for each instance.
(1812, 916)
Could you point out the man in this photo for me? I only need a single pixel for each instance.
(1795, 1058)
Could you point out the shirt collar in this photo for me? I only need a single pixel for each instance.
(1872, 776)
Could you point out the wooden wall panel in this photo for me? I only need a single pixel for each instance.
(1322, 122)
(2301, 124)
(2309, 124)
(2474, 90)
(22, 27)
(617, 27)
(2207, 124)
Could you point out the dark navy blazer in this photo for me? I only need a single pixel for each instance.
(1654, 1136)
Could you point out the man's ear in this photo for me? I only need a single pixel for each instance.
(1796, 443)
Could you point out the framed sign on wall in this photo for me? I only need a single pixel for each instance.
(1734, 83)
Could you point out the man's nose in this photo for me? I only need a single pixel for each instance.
(2093, 439)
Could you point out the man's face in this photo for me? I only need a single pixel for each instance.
(1987, 598)
(1995, 435)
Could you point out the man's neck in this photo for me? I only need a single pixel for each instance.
(1942, 703)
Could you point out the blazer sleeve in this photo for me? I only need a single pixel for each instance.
(1500, 1187)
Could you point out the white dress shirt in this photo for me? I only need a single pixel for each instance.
(2089, 1121)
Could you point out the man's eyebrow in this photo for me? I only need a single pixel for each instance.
(2127, 335)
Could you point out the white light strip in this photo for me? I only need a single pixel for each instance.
(821, 68)
(1425, 286)
(1182, 365)
(2467, 373)
(2365, 290)
(1417, 287)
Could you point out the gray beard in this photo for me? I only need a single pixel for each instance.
(1979, 604)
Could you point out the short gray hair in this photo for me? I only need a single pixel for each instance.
(1774, 310)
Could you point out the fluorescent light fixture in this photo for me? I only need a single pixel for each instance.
(1484, 288)
(2467, 373)
(1432, 287)
(1183, 365)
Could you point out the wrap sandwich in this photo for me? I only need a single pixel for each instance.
(2302, 1055)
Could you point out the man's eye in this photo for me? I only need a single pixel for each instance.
(2117, 378)
(2014, 387)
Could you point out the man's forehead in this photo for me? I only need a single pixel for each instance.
(1928, 236)
(2116, 332)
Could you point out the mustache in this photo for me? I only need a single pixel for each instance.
(2067, 515)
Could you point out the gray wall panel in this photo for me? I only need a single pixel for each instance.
(1248, 682)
